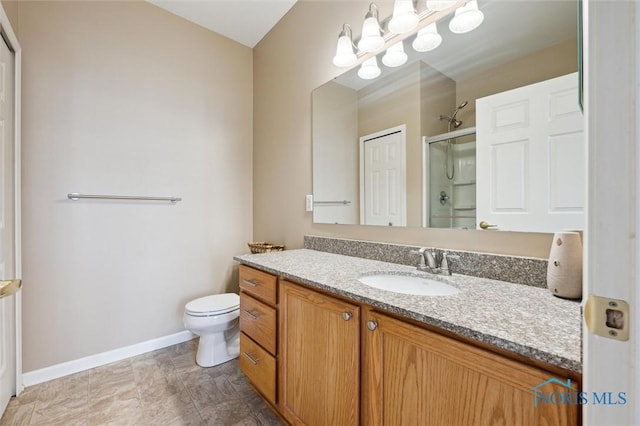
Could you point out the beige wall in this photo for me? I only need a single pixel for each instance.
(283, 81)
(541, 65)
(11, 9)
(437, 95)
(125, 98)
(391, 102)
(335, 132)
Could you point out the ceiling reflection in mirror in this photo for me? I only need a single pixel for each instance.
(441, 140)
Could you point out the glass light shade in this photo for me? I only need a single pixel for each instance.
(371, 39)
(427, 39)
(467, 18)
(439, 4)
(404, 17)
(369, 69)
(345, 57)
(395, 56)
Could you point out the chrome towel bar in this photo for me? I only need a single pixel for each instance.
(75, 197)
(342, 202)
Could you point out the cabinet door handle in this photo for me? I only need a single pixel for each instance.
(346, 316)
(250, 357)
(372, 325)
(251, 314)
(252, 283)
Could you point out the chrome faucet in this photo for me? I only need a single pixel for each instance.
(421, 266)
(431, 261)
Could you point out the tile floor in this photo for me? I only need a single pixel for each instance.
(164, 387)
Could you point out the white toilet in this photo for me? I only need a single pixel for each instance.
(215, 320)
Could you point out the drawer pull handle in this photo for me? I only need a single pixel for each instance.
(346, 316)
(250, 357)
(252, 283)
(251, 314)
(372, 325)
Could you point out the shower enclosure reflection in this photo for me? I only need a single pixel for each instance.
(451, 180)
(451, 175)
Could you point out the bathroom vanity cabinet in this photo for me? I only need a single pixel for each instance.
(258, 330)
(413, 376)
(347, 363)
(320, 358)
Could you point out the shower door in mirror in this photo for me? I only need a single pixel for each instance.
(452, 183)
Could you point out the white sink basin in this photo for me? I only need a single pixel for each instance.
(409, 285)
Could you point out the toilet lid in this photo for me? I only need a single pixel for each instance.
(218, 303)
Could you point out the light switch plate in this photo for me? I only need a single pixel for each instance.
(308, 202)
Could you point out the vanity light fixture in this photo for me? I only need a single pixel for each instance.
(439, 4)
(369, 69)
(467, 18)
(427, 39)
(345, 56)
(404, 17)
(371, 39)
(395, 56)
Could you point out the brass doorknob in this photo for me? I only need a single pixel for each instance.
(486, 225)
(8, 287)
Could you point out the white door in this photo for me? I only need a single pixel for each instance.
(8, 258)
(383, 177)
(531, 140)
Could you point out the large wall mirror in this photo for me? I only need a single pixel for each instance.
(484, 129)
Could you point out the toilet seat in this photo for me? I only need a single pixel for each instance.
(216, 304)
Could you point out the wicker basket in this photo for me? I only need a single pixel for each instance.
(263, 247)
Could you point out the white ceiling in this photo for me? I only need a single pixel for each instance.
(245, 21)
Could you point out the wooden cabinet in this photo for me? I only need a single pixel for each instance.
(259, 366)
(412, 376)
(301, 349)
(258, 320)
(259, 284)
(258, 330)
(320, 358)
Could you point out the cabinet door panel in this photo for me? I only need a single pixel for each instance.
(417, 377)
(320, 358)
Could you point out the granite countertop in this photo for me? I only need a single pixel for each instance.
(523, 319)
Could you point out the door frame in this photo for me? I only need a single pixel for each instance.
(612, 249)
(402, 129)
(426, 190)
(12, 41)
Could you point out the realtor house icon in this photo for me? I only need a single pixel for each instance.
(553, 397)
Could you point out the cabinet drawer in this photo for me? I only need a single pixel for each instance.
(258, 321)
(260, 284)
(259, 366)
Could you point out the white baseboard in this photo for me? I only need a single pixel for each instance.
(92, 361)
